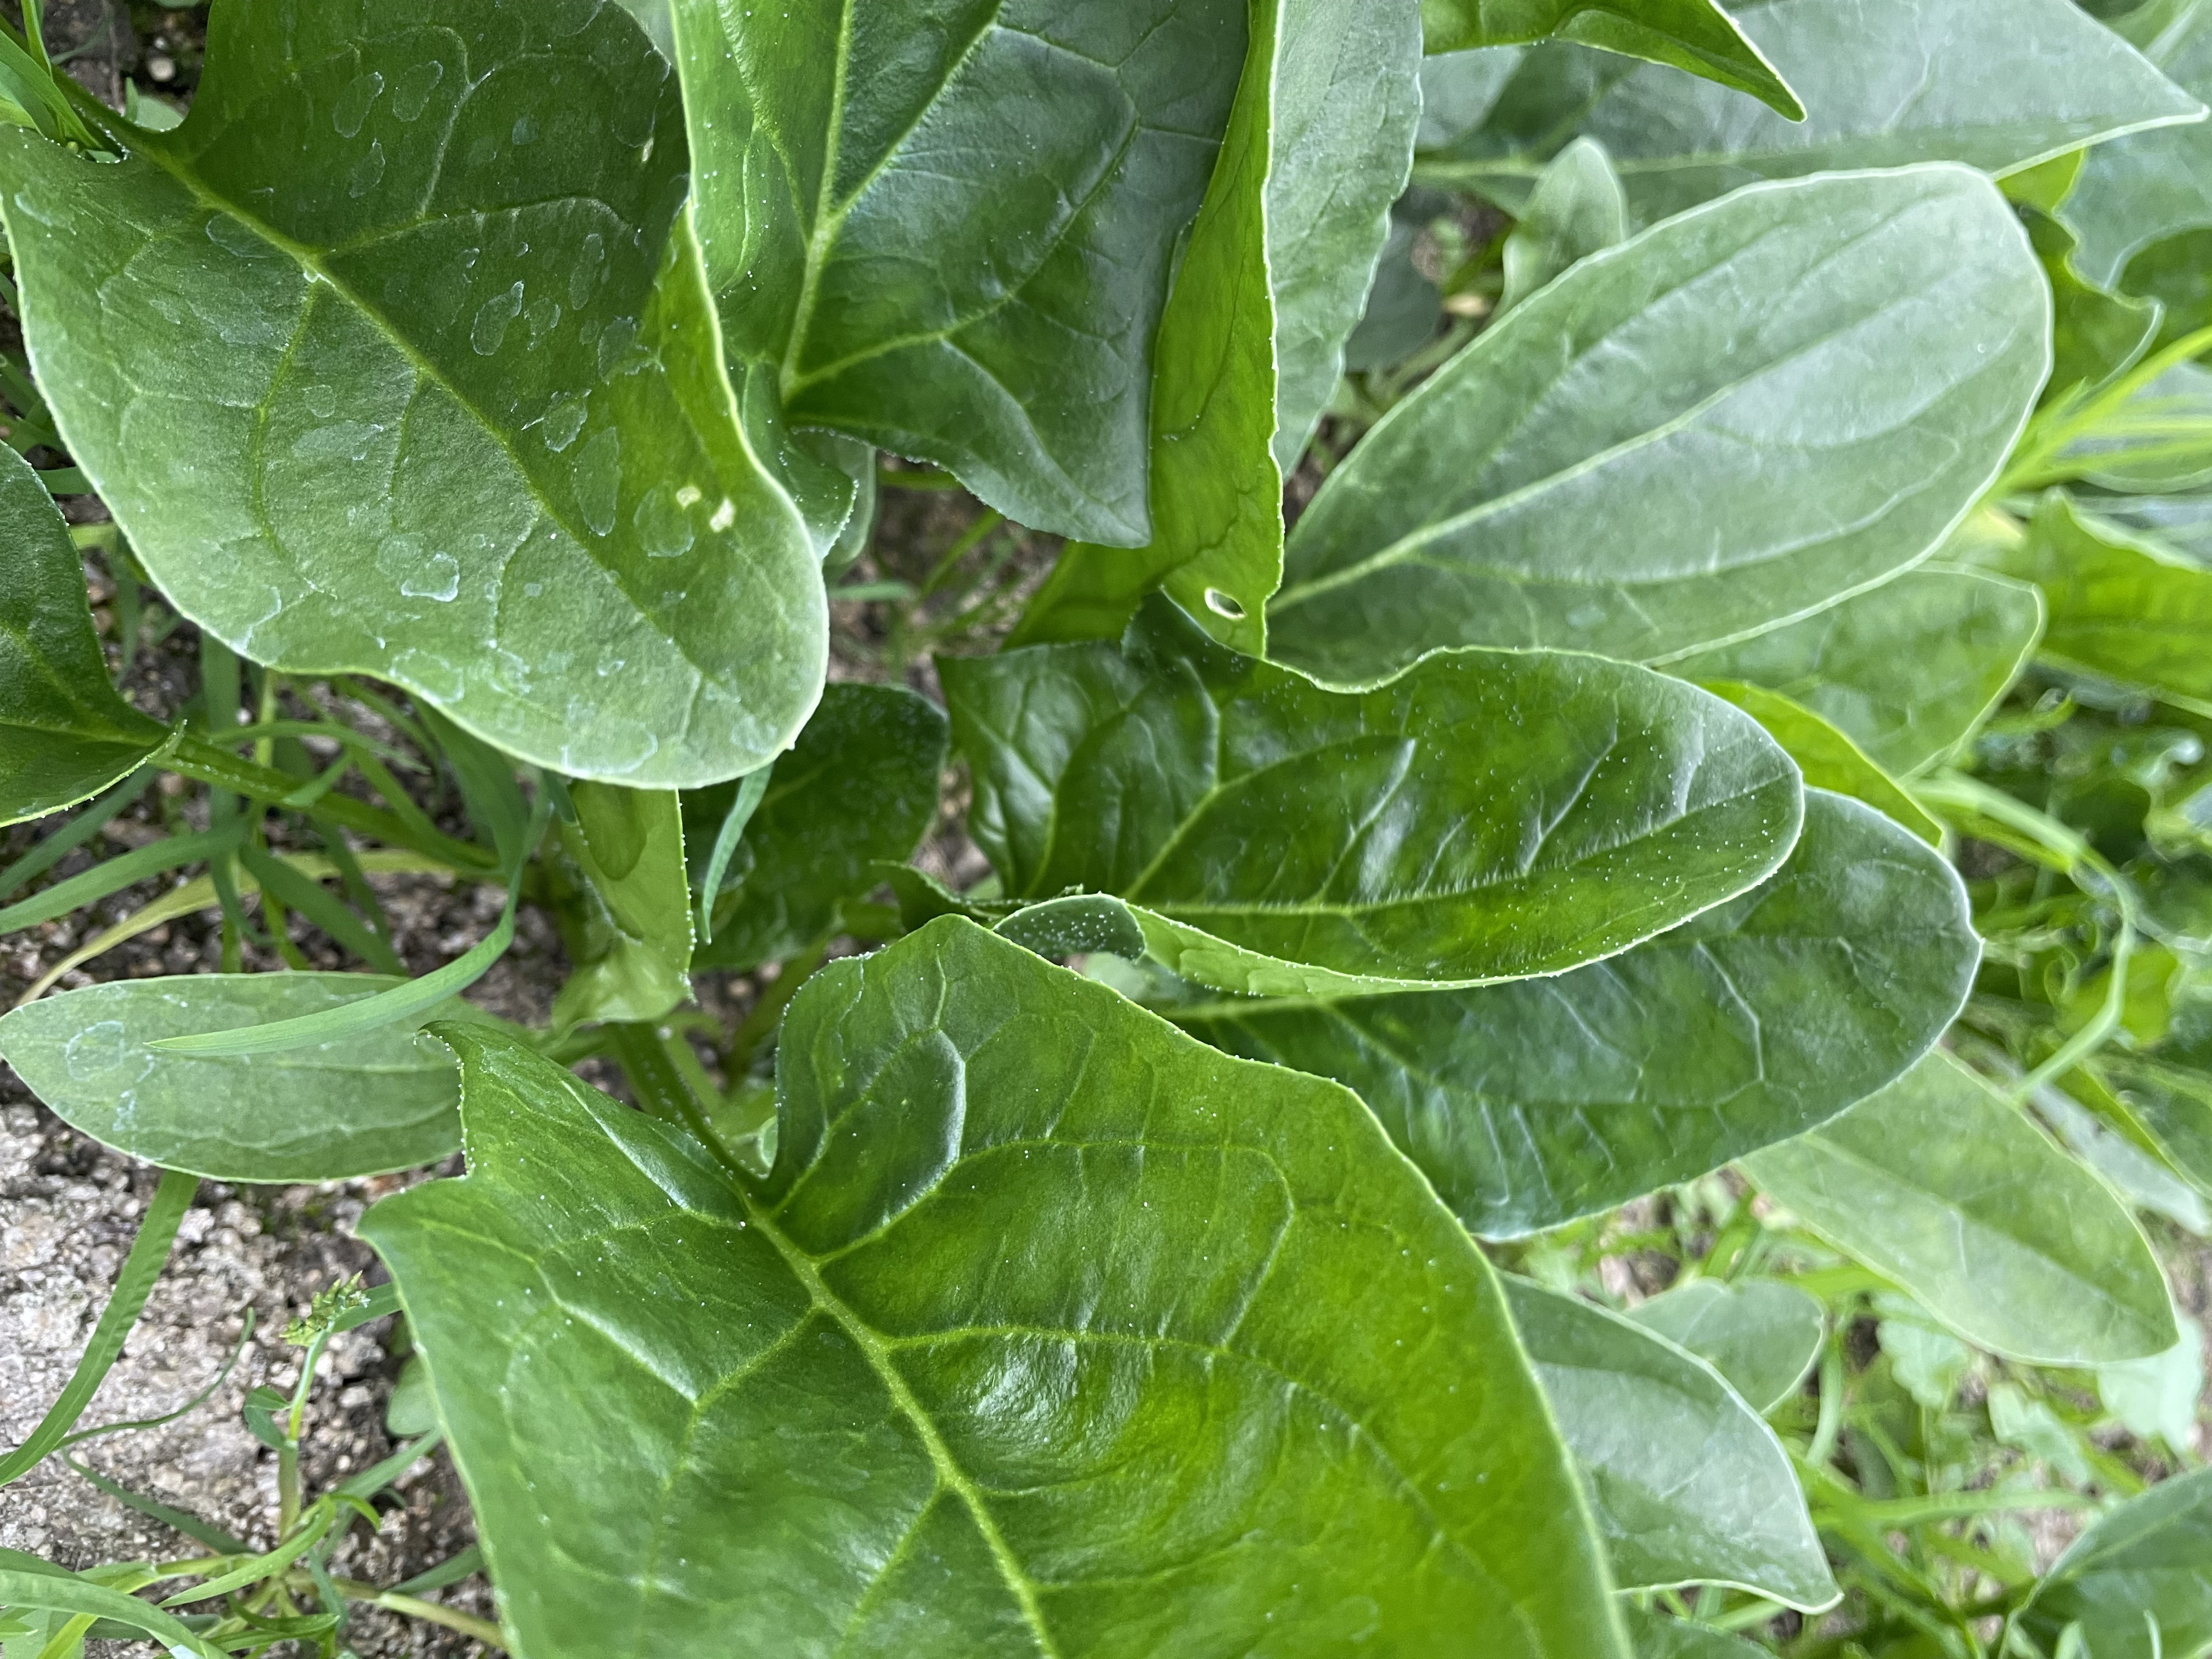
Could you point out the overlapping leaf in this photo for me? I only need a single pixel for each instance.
(2136, 1583)
(947, 230)
(1690, 1486)
(2142, 189)
(1941, 1186)
(1484, 816)
(1634, 462)
(65, 735)
(1033, 1341)
(1695, 35)
(859, 785)
(382, 1100)
(1529, 1105)
(1906, 670)
(397, 357)
(1762, 1335)
(1269, 288)
(632, 951)
(1827, 757)
(1998, 84)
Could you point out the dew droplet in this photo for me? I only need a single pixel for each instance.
(411, 96)
(367, 173)
(355, 102)
(439, 580)
(598, 473)
(561, 423)
(663, 526)
(526, 130)
(95, 1050)
(488, 331)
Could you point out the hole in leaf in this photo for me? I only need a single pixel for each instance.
(1222, 605)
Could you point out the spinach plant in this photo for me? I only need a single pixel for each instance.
(1572, 644)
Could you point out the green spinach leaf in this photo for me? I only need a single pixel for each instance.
(1484, 816)
(396, 357)
(1632, 462)
(914, 1392)
(632, 949)
(1762, 1335)
(2134, 1582)
(1828, 758)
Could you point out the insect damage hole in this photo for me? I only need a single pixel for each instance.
(1222, 605)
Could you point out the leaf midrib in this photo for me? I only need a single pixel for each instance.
(947, 1468)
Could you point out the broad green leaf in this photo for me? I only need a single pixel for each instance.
(397, 357)
(2136, 1581)
(65, 734)
(1828, 758)
(364, 1105)
(1033, 1342)
(1907, 671)
(946, 230)
(1632, 462)
(1941, 1186)
(1076, 924)
(1996, 84)
(1576, 210)
(632, 951)
(2172, 1105)
(2121, 606)
(1484, 816)
(1403, 309)
(859, 785)
(1690, 1486)
(2161, 1396)
(2159, 440)
(1529, 1105)
(1761, 1335)
(2146, 187)
(1270, 287)
(2095, 334)
(2182, 523)
(1695, 35)
(1656, 1637)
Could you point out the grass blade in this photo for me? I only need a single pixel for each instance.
(132, 1285)
(309, 898)
(73, 835)
(113, 876)
(198, 1400)
(177, 1520)
(451, 1570)
(60, 1592)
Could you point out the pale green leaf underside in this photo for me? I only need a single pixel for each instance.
(945, 229)
(1907, 671)
(1762, 1335)
(1483, 817)
(1996, 84)
(1633, 462)
(1939, 1185)
(1690, 1486)
(2148, 1563)
(2141, 189)
(626, 847)
(397, 358)
(365, 1105)
(1827, 756)
(1032, 1345)
(65, 732)
(1695, 35)
(1529, 1105)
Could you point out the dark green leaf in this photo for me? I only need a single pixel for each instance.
(1268, 289)
(1828, 758)
(65, 735)
(1938, 1184)
(1695, 35)
(635, 958)
(861, 786)
(1907, 671)
(947, 230)
(1529, 1105)
(1996, 84)
(2136, 1581)
(361, 1105)
(1484, 816)
(2096, 334)
(396, 356)
(1690, 1486)
(1634, 462)
(1034, 1341)
(1576, 210)
(1761, 1335)
(2121, 606)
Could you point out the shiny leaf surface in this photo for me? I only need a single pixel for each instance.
(65, 734)
(859, 785)
(1530, 1104)
(1761, 1335)
(1828, 758)
(1996, 84)
(396, 357)
(1632, 462)
(375, 1103)
(946, 229)
(1938, 1184)
(1690, 1486)
(1482, 816)
(915, 1393)
(2143, 188)
(633, 956)
(1907, 671)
